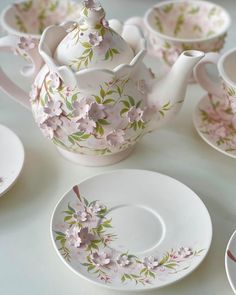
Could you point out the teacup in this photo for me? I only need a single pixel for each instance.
(175, 26)
(31, 17)
(26, 20)
(225, 88)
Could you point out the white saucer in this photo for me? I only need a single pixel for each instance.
(146, 230)
(11, 159)
(213, 123)
(230, 261)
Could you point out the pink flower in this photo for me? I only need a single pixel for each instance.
(85, 236)
(96, 207)
(95, 39)
(142, 87)
(34, 93)
(69, 126)
(100, 258)
(233, 103)
(105, 23)
(217, 131)
(96, 112)
(55, 80)
(53, 123)
(47, 131)
(86, 125)
(72, 236)
(81, 108)
(123, 260)
(150, 262)
(115, 137)
(27, 44)
(92, 4)
(81, 216)
(135, 114)
(184, 252)
(53, 108)
(234, 121)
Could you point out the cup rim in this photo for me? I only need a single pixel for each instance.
(221, 69)
(12, 30)
(186, 40)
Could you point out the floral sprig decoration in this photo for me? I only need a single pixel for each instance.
(86, 237)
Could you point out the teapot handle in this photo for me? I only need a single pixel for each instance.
(202, 77)
(11, 44)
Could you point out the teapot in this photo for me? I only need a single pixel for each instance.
(92, 94)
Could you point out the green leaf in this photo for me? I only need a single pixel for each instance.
(85, 136)
(74, 97)
(70, 208)
(126, 103)
(115, 51)
(91, 267)
(124, 111)
(90, 55)
(102, 92)
(69, 106)
(107, 101)
(131, 100)
(59, 238)
(138, 104)
(67, 218)
(103, 122)
(86, 45)
(98, 99)
(107, 55)
(59, 233)
(85, 11)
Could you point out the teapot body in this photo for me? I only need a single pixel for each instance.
(108, 118)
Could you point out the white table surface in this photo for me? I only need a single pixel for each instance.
(28, 263)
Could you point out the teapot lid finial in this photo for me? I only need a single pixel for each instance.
(91, 43)
(92, 13)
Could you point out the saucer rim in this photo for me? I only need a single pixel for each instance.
(210, 143)
(229, 277)
(132, 289)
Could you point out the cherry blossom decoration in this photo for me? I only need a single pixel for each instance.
(86, 235)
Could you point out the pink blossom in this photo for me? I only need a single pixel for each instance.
(53, 123)
(96, 112)
(53, 108)
(81, 216)
(26, 43)
(217, 130)
(72, 236)
(184, 252)
(85, 236)
(234, 121)
(115, 137)
(41, 116)
(135, 114)
(81, 107)
(100, 258)
(86, 125)
(92, 4)
(150, 262)
(96, 207)
(95, 39)
(105, 23)
(55, 80)
(69, 126)
(123, 260)
(233, 103)
(47, 131)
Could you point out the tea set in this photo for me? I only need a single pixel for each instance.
(94, 98)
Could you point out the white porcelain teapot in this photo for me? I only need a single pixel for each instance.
(93, 96)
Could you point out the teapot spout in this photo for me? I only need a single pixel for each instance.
(168, 94)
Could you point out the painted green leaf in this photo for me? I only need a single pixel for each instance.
(98, 99)
(86, 45)
(126, 103)
(103, 122)
(67, 218)
(102, 92)
(71, 209)
(107, 101)
(131, 100)
(60, 233)
(91, 267)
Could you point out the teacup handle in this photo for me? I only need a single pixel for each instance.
(203, 78)
(9, 44)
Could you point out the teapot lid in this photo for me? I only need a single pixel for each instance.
(91, 43)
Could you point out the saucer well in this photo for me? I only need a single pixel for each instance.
(216, 124)
(230, 261)
(11, 159)
(129, 230)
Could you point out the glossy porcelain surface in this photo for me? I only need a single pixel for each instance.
(175, 26)
(11, 159)
(230, 261)
(216, 124)
(102, 235)
(31, 17)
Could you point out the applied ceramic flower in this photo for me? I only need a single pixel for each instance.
(94, 97)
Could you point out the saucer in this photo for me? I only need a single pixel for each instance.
(213, 122)
(11, 159)
(131, 230)
(230, 261)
